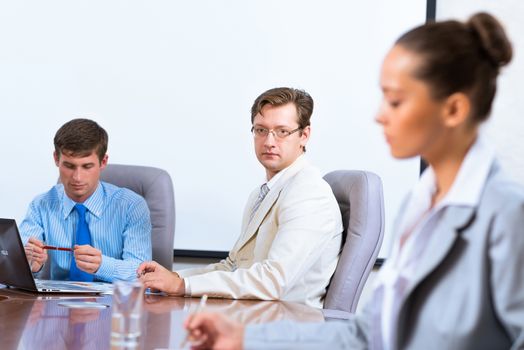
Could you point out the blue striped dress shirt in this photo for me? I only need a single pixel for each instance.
(118, 220)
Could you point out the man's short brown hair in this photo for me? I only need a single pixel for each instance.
(80, 137)
(284, 95)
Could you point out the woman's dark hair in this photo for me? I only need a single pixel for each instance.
(461, 57)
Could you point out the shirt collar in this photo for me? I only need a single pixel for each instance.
(94, 203)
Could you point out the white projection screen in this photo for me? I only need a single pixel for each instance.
(173, 82)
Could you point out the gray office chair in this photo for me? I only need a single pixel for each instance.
(359, 195)
(156, 187)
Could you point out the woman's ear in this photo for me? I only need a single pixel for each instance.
(456, 109)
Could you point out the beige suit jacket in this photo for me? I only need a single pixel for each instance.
(288, 251)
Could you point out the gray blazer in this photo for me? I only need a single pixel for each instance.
(468, 294)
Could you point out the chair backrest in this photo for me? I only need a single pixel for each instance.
(156, 187)
(361, 201)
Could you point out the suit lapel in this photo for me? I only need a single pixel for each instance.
(268, 202)
(454, 220)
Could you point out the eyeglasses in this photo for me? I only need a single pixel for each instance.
(280, 133)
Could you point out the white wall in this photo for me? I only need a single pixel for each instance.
(505, 128)
(173, 81)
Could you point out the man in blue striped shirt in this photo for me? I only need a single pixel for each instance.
(117, 219)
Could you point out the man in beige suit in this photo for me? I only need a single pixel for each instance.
(291, 230)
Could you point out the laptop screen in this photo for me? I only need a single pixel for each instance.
(14, 266)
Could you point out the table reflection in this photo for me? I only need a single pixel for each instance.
(31, 321)
(243, 311)
(53, 326)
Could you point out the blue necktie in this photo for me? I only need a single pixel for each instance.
(82, 237)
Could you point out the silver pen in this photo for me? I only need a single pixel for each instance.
(198, 309)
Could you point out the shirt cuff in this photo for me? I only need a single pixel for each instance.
(106, 270)
(188, 287)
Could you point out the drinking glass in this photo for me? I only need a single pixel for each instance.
(126, 316)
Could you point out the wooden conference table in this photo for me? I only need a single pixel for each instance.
(36, 321)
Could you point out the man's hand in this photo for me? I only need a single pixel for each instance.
(214, 331)
(87, 258)
(36, 255)
(159, 304)
(155, 276)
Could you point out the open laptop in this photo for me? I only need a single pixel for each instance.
(16, 273)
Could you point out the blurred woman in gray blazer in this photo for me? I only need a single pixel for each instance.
(455, 278)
